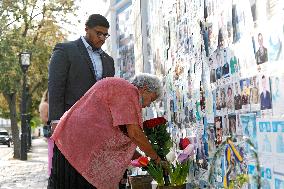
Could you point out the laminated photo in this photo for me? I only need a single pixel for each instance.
(223, 99)
(245, 92)
(237, 96)
(234, 63)
(254, 94)
(278, 130)
(230, 98)
(275, 44)
(225, 126)
(248, 124)
(211, 138)
(232, 124)
(218, 129)
(265, 94)
(218, 101)
(277, 91)
(278, 181)
(226, 66)
(265, 137)
(261, 52)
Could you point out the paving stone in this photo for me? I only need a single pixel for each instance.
(32, 174)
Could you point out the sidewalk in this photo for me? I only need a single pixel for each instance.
(32, 174)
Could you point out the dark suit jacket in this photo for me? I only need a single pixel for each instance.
(71, 75)
(265, 102)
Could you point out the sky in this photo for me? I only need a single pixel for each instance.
(86, 7)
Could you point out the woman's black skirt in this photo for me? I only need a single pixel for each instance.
(64, 176)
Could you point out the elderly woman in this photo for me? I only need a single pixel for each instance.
(96, 139)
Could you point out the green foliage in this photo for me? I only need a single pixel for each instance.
(178, 173)
(162, 143)
(156, 172)
(33, 26)
(160, 140)
(240, 180)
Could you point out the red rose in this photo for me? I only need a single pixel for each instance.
(154, 122)
(143, 161)
(184, 143)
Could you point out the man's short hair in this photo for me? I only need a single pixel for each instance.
(97, 20)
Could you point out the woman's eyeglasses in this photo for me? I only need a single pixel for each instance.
(101, 34)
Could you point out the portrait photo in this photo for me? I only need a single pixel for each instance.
(237, 96)
(245, 91)
(248, 124)
(218, 99)
(277, 91)
(254, 90)
(218, 129)
(261, 54)
(212, 76)
(223, 97)
(230, 98)
(232, 124)
(265, 95)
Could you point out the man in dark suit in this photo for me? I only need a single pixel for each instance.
(265, 97)
(261, 55)
(75, 66)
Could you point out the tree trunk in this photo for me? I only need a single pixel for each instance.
(11, 99)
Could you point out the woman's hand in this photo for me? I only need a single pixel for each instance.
(138, 137)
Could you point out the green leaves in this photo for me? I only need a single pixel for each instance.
(156, 171)
(29, 26)
(160, 139)
(178, 173)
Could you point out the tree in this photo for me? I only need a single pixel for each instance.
(31, 25)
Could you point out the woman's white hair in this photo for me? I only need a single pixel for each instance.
(152, 82)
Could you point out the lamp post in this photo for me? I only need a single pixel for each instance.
(25, 60)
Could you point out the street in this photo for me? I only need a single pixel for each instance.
(17, 174)
(5, 152)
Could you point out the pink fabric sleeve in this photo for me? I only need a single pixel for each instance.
(124, 108)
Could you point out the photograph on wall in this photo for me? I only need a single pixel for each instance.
(253, 9)
(234, 63)
(225, 126)
(261, 52)
(218, 129)
(217, 97)
(277, 91)
(245, 92)
(237, 96)
(278, 130)
(278, 181)
(209, 109)
(265, 94)
(230, 98)
(183, 35)
(265, 137)
(212, 75)
(226, 66)
(248, 124)
(275, 44)
(223, 99)
(211, 138)
(252, 172)
(232, 124)
(218, 62)
(266, 173)
(225, 24)
(254, 94)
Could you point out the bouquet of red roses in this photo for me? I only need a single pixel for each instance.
(156, 131)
